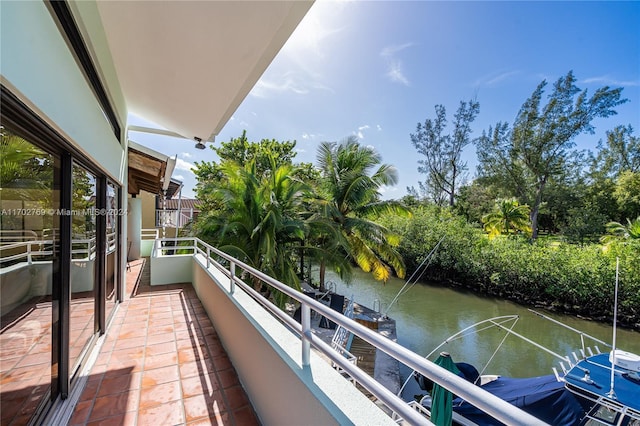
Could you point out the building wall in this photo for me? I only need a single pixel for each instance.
(148, 210)
(38, 66)
(267, 357)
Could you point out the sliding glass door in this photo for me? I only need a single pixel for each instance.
(59, 267)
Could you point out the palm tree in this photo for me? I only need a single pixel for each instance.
(508, 217)
(25, 170)
(617, 231)
(261, 224)
(352, 176)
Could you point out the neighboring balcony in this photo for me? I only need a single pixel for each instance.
(173, 218)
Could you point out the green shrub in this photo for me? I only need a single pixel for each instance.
(576, 279)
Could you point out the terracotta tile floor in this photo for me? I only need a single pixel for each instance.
(25, 353)
(162, 364)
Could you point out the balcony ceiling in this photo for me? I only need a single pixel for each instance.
(187, 65)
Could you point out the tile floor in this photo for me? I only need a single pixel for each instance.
(25, 353)
(162, 364)
(25, 360)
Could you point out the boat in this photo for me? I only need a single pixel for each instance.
(589, 387)
(608, 386)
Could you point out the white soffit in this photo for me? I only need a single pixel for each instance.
(187, 65)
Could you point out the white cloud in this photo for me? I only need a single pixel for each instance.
(178, 177)
(186, 155)
(379, 127)
(390, 51)
(494, 78)
(184, 165)
(395, 73)
(291, 81)
(609, 81)
(387, 189)
(360, 133)
(299, 66)
(394, 65)
(312, 33)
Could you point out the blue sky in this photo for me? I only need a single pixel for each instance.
(376, 69)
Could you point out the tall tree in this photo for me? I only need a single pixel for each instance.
(538, 147)
(351, 179)
(442, 153)
(261, 222)
(241, 151)
(621, 152)
(614, 177)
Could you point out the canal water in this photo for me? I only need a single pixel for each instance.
(428, 314)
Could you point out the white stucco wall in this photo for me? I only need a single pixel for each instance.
(39, 68)
(171, 269)
(267, 357)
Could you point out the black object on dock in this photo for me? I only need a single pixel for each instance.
(337, 304)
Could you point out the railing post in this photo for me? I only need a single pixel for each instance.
(306, 329)
(232, 277)
(29, 259)
(208, 256)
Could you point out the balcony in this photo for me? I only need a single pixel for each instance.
(194, 343)
(162, 362)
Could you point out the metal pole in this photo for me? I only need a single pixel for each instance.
(612, 394)
(306, 330)
(568, 327)
(178, 225)
(232, 273)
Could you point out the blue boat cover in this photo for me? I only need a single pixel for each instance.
(627, 389)
(543, 397)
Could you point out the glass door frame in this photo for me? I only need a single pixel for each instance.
(19, 118)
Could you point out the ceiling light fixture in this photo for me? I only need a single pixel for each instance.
(199, 144)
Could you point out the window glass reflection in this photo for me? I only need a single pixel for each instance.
(112, 248)
(28, 239)
(83, 264)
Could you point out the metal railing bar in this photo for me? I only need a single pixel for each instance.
(489, 403)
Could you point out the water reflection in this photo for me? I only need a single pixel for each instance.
(427, 314)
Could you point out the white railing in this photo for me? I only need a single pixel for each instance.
(86, 249)
(50, 233)
(28, 251)
(229, 266)
(9, 236)
(172, 219)
(149, 234)
(25, 251)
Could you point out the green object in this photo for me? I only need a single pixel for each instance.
(441, 399)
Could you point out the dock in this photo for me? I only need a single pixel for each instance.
(374, 362)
